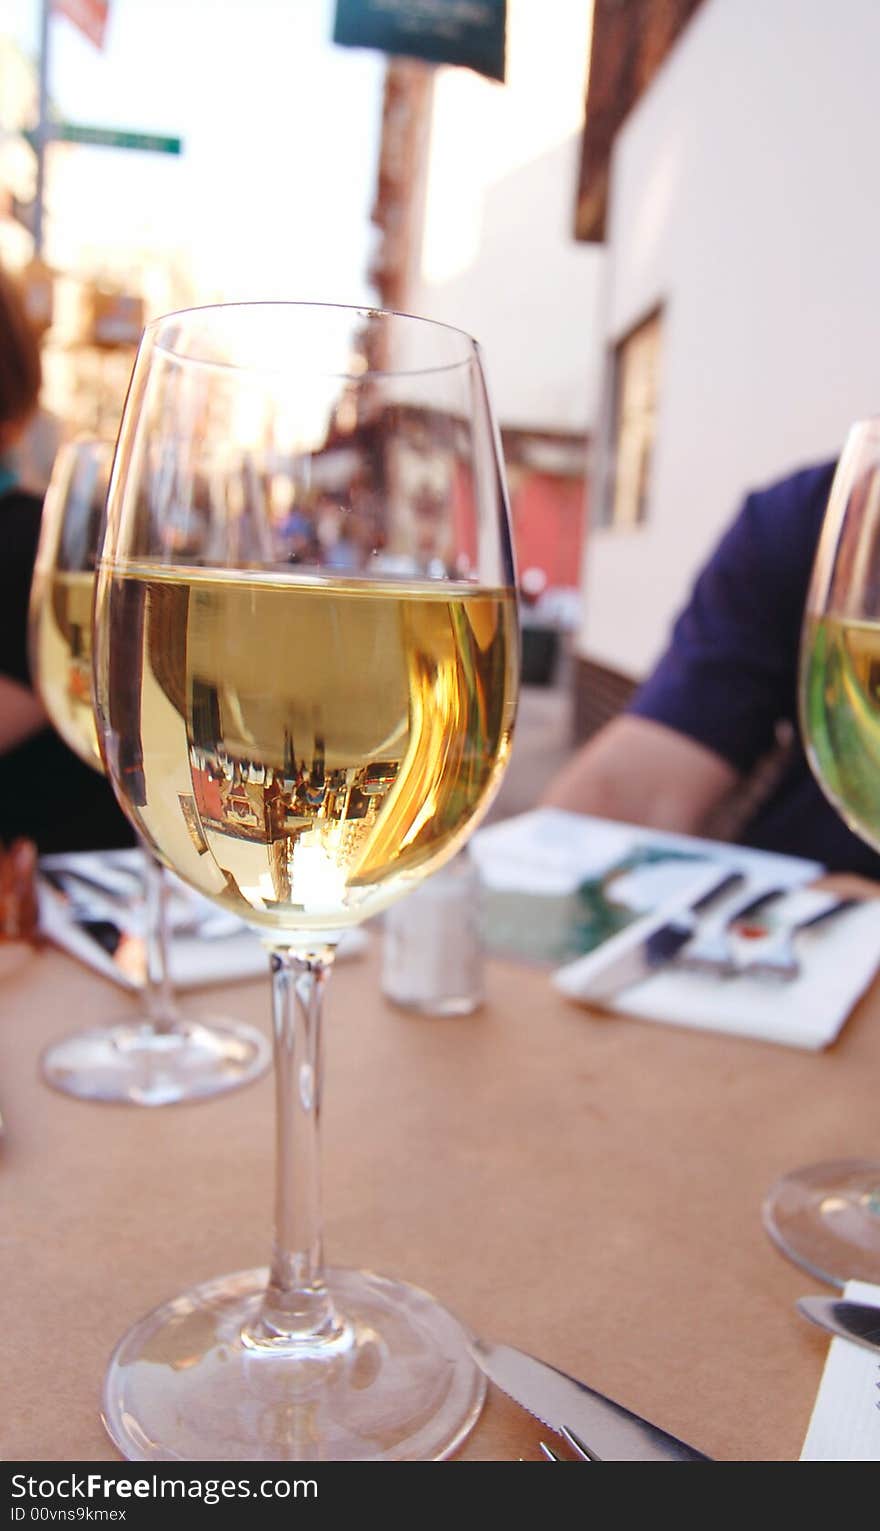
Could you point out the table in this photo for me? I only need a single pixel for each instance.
(584, 1187)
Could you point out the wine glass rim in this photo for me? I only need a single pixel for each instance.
(473, 349)
(865, 425)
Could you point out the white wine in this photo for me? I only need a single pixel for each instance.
(840, 716)
(61, 647)
(303, 749)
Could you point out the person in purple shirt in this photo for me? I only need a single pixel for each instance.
(713, 706)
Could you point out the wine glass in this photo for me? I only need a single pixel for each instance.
(826, 1217)
(306, 665)
(157, 1056)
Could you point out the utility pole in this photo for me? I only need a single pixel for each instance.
(42, 135)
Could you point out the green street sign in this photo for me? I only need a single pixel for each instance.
(111, 138)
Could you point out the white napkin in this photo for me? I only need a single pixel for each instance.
(845, 1423)
(194, 960)
(838, 960)
(550, 852)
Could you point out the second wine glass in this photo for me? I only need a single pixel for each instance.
(158, 1056)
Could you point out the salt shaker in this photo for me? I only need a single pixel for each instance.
(433, 952)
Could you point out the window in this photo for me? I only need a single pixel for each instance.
(635, 369)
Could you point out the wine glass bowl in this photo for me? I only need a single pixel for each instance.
(826, 1217)
(306, 676)
(157, 1056)
(63, 591)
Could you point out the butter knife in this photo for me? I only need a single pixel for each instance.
(656, 950)
(93, 919)
(611, 1431)
(856, 1321)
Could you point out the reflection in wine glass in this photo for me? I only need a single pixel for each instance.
(159, 1056)
(826, 1217)
(306, 672)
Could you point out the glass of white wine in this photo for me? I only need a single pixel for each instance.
(306, 660)
(826, 1216)
(157, 1056)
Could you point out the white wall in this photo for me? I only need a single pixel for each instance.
(498, 255)
(745, 196)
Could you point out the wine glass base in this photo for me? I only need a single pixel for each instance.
(132, 1062)
(399, 1384)
(826, 1218)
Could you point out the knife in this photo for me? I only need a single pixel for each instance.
(856, 1321)
(610, 1430)
(657, 949)
(86, 927)
(92, 921)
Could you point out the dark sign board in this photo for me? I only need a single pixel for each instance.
(467, 32)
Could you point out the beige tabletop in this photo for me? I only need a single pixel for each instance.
(585, 1188)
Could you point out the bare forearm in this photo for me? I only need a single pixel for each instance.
(643, 773)
(21, 714)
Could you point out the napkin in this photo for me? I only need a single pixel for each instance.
(234, 953)
(845, 1423)
(839, 961)
(574, 891)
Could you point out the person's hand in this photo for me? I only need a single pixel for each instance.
(21, 714)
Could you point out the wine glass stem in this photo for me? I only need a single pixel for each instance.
(297, 1307)
(159, 999)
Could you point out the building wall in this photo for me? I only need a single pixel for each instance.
(547, 513)
(498, 255)
(743, 198)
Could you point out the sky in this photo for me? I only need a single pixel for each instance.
(272, 194)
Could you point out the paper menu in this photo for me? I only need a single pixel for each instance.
(558, 884)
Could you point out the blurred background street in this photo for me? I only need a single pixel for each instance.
(655, 217)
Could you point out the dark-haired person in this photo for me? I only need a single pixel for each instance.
(46, 793)
(711, 709)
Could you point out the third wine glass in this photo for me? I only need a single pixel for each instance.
(826, 1217)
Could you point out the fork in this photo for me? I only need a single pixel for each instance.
(92, 900)
(776, 957)
(711, 948)
(582, 1452)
